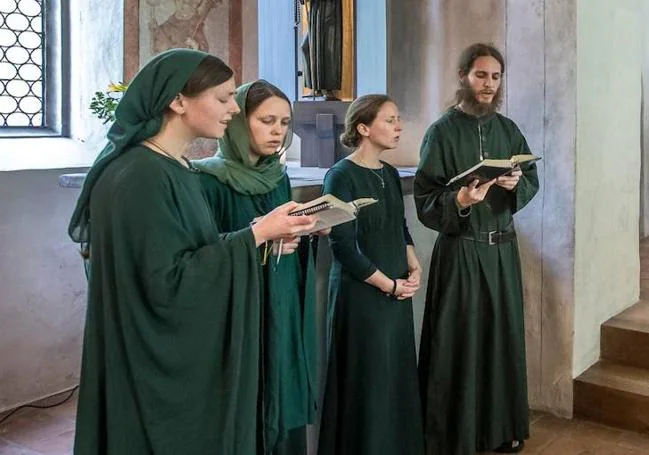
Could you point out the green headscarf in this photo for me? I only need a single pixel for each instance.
(232, 166)
(138, 116)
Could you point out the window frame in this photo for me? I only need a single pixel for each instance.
(56, 96)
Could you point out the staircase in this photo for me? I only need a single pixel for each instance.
(615, 391)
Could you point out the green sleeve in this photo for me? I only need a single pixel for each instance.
(342, 238)
(212, 190)
(175, 267)
(436, 203)
(528, 185)
(174, 308)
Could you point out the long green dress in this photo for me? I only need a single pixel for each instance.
(472, 352)
(170, 354)
(288, 387)
(371, 403)
(240, 190)
(171, 344)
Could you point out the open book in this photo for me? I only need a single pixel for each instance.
(489, 169)
(331, 211)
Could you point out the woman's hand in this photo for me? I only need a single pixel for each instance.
(289, 245)
(405, 289)
(279, 224)
(474, 193)
(414, 268)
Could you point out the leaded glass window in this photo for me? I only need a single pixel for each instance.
(22, 72)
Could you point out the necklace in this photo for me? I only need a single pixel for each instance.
(165, 152)
(372, 170)
(379, 176)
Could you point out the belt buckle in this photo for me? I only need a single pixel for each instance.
(490, 238)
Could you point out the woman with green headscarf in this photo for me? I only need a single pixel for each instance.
(243, 181)
(171, 344)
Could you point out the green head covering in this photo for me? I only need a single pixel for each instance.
(232, 165)
(138, 116)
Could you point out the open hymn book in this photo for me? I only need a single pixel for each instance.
(489, 169)
(331, 211)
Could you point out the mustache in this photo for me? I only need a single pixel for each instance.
(467, 96)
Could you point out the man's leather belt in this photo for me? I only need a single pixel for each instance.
(492, 237)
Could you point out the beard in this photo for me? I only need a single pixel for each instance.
(467, 97)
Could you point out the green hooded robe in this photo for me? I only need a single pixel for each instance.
(239, 191)
(472, 352)
(171, 342)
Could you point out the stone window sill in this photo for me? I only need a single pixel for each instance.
(43, 153)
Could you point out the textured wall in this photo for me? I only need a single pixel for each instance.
(250, 42)
(421, 62)
(42, 288)
(196, 24)
(96, 60)
(541, 50)
(608, 168)
(644, 175)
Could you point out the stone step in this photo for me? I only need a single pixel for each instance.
(625, 337)
(614, 395)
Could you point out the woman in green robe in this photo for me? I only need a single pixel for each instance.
(171, 344)
(371, 403)
(472, 351)
(244, 181)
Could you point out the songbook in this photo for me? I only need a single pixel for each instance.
(490, 169)
(331, 211)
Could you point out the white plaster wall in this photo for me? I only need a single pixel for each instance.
(608, 165)
(42, 285)
(42, 288)
(97, 60)
(525, 99)
(644, 176)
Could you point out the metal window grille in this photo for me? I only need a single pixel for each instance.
(22, 64)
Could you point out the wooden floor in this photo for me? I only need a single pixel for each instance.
(51, 432)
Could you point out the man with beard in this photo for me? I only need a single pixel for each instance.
(472, 354)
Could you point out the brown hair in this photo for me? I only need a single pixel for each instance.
(475, 51)
(362, 111)
(259, 92)
(210, 72)
(464, 93)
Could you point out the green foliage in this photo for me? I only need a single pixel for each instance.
(103, 106)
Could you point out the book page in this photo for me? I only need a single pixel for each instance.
(331, 211)
(524, 158)
(332, 217)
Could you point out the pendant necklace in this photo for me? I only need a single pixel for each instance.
(379, 176)
(373, 171)
(184, 163)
